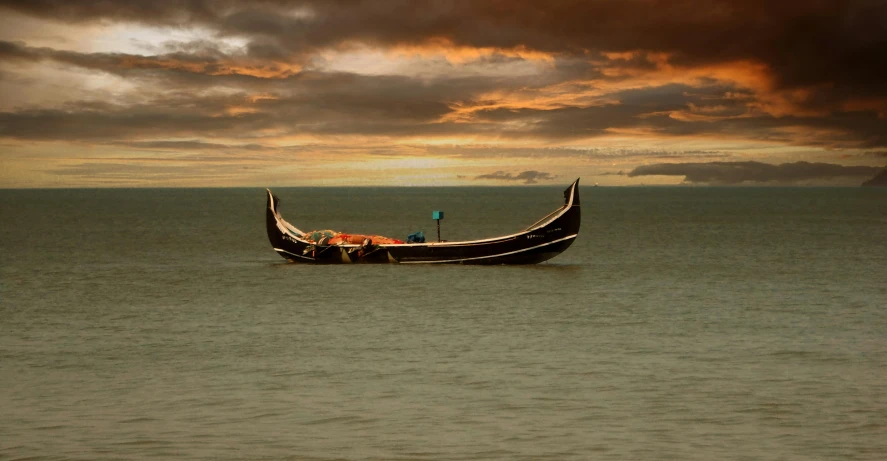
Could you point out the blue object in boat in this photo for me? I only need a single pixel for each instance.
(416, 237)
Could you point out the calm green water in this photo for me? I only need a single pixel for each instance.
(684, 323)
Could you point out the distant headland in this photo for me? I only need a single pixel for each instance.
(880, 180)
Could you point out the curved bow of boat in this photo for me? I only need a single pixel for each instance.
(285, 238)
(543, 240)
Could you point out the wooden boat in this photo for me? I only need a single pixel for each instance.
(543, 240)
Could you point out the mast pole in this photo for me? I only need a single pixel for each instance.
(437, 216)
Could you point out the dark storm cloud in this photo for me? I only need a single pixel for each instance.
(363, 99)
(318, 103)
(16, 50)
(659, 110)
(840, 44)
(348, 104)
(156, 12)
(753, 172)
(648, 109)
(124, 123)
(832, 49)
(190, 58)
(203, 66)
(301, 116)
(528, 177)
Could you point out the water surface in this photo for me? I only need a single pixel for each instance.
(684, 323)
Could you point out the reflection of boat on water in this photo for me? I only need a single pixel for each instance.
(542, 241)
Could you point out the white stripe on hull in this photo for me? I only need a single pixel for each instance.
(491, 256)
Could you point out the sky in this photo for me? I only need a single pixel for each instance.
(219, 93)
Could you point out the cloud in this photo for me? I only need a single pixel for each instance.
(317, 104)
(193, 58)
(332, 104)
(528, 177)
(600, 80)
(140, 174)
(547, 152)
(814, 54)
(753, 172)
(124, 123)
(189, 145)
(619, 82)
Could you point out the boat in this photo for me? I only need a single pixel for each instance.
(543, 240)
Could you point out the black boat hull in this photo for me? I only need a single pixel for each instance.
(540, 242)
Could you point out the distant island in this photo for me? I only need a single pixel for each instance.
(880, 180)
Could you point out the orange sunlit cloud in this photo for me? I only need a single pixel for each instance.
(461, 54)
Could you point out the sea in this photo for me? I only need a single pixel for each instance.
(685, 323)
